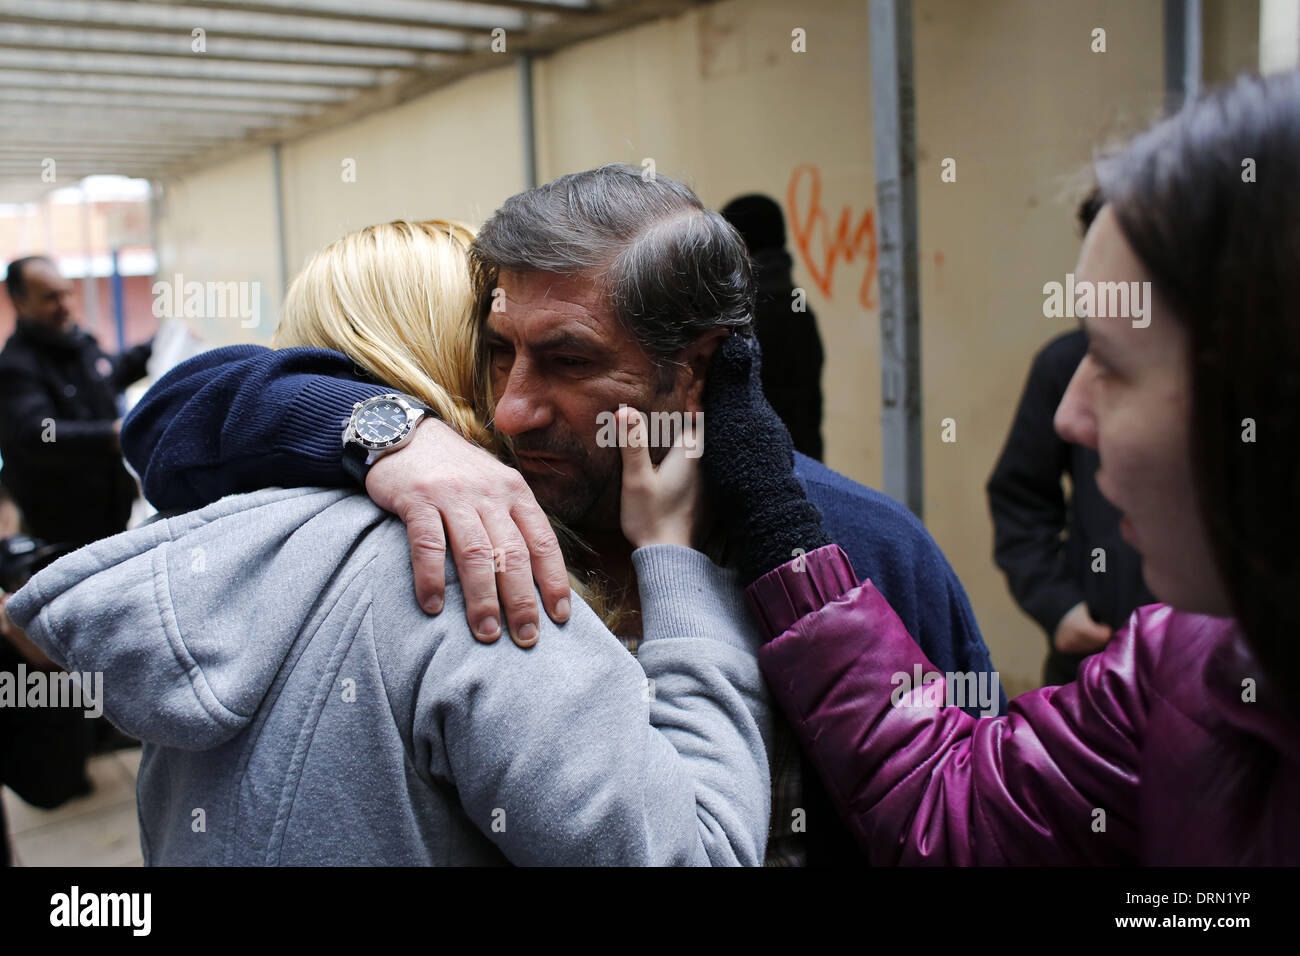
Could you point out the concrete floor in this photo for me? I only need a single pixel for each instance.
(99, 829)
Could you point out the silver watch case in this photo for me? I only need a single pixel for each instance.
(414, 409)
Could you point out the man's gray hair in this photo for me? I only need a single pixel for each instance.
(670, 268)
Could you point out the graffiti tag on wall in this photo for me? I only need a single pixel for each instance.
(823, 245)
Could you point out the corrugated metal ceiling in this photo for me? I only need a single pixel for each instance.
(153, 88)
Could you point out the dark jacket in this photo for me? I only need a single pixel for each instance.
(58, 400)
(1048, 575)
(791, 367)
(1151, 757)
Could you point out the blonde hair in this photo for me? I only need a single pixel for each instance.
(396, 299)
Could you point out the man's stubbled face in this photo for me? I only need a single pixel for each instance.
(558, 358)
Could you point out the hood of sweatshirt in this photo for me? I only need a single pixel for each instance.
(164, 612)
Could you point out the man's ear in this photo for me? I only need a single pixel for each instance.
(696, 361)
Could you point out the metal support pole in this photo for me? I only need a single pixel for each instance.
(119, 304)
(1182, 52)
(894, 134)
(526, 112)
(277, 192)
(89, 282)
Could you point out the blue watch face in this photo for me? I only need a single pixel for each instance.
(381, 422)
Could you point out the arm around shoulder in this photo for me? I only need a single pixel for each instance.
(241, 418)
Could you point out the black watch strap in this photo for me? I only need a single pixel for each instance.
(354, 463)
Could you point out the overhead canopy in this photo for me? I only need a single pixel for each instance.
(155, 88)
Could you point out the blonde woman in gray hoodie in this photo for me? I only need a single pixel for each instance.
(298, 707)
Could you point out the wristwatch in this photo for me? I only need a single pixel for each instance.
(377, 426)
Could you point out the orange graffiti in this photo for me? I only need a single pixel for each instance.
(821, 249)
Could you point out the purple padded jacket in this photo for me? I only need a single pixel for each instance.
(1165, 751)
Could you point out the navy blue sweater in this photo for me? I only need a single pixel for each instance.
(245, 417)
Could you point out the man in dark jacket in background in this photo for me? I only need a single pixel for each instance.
(59, 413)
(59, 422)
(786, 328)
(1080, 589)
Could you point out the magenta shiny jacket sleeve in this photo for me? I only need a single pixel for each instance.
(1054, 781)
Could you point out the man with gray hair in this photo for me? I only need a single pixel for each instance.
(602, 288)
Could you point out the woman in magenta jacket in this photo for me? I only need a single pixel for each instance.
(1180, 742)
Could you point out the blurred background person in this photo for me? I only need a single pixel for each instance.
(43, 750)
(1065, 561)
(787, 329)
(11, 522)
(60, 413)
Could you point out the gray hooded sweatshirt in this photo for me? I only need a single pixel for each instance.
(298, 708)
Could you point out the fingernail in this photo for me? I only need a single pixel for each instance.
(433, 605)
(528, 633)
(562, 608)
(487, 627)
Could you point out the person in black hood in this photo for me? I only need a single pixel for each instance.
(59, 414)
(792, 356)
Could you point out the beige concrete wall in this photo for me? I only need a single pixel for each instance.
(454, 153)
(1020, 110)
(219, 226)
(1279, 35)
(1231, 38)
(1008, 88)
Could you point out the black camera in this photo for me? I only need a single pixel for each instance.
(21, 557)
